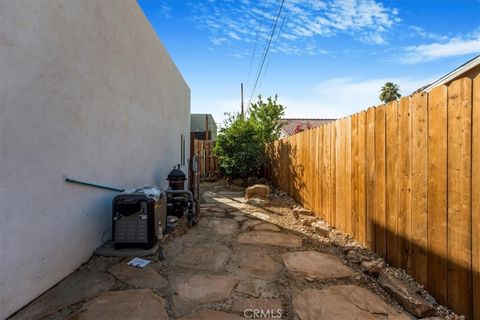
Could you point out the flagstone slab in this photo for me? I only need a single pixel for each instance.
(255, 262)
(212, 315)
(205, 256)
(248, 225)
(192, 289)
(240, 219)
(343, 302)
(270, 238)
(193, 236)
(317, 265)
(77, 287)
(138, 277)
(129, 304)
(221, 226)
(266, 227)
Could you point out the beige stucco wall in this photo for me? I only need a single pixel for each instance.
(88, 91)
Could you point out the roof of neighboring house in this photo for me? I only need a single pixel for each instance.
(291, 124)
(460, 71)
(198, 122)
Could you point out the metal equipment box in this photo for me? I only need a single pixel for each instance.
(139, 217)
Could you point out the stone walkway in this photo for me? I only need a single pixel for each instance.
(231, 265)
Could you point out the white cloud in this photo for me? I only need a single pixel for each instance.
(433, 51)
(332, 98)
(339, 97)
(306, 20)
(233, 35)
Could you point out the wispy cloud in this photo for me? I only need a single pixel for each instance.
(338, 97)
(164, 10)
(458, 46)
(305, 20)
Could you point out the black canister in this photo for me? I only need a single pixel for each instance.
(176, 179)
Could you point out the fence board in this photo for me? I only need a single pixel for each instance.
(354, 177)
(370, 171)
(333, 164)
(380, 170)
(393, 191)
(405, 204)
(437, 193)
(362, 182)
(476, 197)
(459, 196)
(419, 184)
(348, 175)
(319, 172)
(326, 171)
(340, 176)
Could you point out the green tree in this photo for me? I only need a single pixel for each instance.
(267, 117)
(240, 145)
(389, 92)
(239, 151)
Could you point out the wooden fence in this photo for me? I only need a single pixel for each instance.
(207, 162)
(404, 180)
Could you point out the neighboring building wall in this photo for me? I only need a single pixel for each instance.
(87, 91)
(198, 125)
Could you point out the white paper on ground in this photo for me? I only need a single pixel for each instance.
(139, 263)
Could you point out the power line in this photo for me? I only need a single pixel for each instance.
(274, 43)
(254, 52)
(266, 51)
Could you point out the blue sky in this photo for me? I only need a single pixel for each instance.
(327, 59)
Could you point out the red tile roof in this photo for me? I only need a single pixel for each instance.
(290, 125)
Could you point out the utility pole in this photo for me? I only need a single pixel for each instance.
(241, 93)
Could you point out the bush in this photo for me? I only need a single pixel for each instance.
(240, 146)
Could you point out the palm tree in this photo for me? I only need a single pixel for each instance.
(389, 92)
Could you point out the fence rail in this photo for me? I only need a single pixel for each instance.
(404, 180)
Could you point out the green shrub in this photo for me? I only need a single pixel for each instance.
(240, 146)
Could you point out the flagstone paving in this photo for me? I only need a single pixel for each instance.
(315, 265)
(234, 261)
(128, 304)
(343, 302)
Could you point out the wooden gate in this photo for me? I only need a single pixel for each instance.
(207, 162)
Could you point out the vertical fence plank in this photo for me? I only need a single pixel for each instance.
(354, 180)
(319, 170)
(370, 171)
(307, 161)
(459, 196)
(419, 184)
(437, 193)
(380, 170)
(393, 191)
(476, 198)
(362, 182)
(348, 175)
(326, 173)
(333, 165)
(405, 203)
(303, 181)
(340, 177)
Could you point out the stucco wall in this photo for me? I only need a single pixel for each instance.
(88, 91)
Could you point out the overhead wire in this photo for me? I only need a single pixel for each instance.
(274, 43)
(266, 51)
